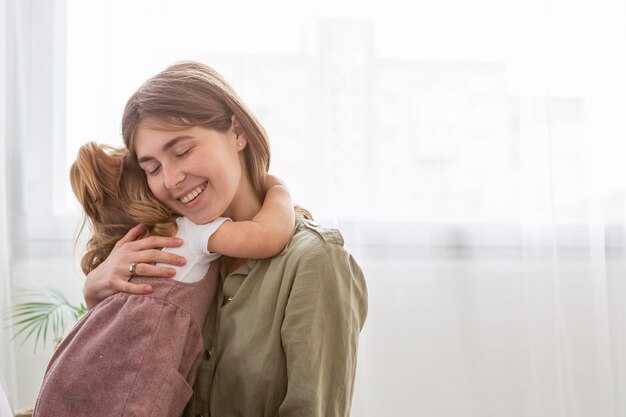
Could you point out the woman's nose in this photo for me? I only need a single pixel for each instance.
(172, 177)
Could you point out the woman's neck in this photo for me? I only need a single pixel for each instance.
(246, 204)
(243, 208)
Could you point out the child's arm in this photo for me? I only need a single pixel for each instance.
(266, 234)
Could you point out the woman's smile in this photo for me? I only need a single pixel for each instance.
(191, 196)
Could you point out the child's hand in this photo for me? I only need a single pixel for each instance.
(271, 181)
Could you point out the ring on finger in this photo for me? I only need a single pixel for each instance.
(132, 268)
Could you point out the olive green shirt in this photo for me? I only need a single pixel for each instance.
(282, 337)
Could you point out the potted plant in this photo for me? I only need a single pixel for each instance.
(42, 316)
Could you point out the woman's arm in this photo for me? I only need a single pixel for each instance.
(263, 236)
(112, 274)
(326, 310)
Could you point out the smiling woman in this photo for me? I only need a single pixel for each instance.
(178, 161)
(288, 283)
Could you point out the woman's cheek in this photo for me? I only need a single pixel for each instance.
(156, 190)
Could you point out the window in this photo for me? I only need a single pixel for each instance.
(373, 114)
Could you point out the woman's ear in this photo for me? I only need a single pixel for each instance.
(240, 135)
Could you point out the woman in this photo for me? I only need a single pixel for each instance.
(282, 337)
(136, 355)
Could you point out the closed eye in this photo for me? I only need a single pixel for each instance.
(180, 155)
(154, 171)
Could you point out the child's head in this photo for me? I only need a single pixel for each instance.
(113, 192)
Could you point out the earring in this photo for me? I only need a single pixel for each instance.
(239, 144)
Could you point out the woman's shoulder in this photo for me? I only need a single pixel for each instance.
(310, 237)
(317, 254)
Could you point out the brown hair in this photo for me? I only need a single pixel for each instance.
(190, 94)
(115, 196)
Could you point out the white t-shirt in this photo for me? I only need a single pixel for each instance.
(194, 249)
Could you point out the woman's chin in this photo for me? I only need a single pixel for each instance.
(202, 216)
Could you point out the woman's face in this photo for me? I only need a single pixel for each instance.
(196, 172)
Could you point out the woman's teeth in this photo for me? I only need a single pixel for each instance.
(193, 194)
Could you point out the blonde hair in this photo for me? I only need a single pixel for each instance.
(115, 197)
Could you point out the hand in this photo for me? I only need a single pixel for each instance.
(112, 275)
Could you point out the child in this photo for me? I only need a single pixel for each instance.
(136, 355)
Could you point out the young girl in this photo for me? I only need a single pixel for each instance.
(136, 355)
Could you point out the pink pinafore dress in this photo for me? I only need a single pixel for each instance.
(132, 355)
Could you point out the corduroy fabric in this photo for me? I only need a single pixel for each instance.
(132, 355)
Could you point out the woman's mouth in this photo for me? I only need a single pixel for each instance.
(193, 194)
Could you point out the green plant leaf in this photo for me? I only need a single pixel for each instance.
(42, 316)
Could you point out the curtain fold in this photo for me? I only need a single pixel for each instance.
(7, 356)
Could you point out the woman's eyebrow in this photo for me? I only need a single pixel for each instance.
(170, 143)
(174, 141)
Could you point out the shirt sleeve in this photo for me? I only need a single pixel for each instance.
(324, 315)
(202, 233)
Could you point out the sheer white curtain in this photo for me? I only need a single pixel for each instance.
(7, 357)
(39, 231)
(473, 164)
(522, 315)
